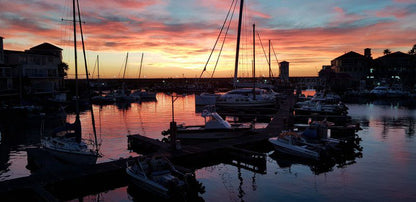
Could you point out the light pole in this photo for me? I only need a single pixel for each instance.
(173, 123)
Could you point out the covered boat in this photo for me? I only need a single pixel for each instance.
(293, 144)
(157, 176)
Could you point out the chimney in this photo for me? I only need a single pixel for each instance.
(367, 53)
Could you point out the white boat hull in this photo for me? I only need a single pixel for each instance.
(148, 185)
(294, 150)
(77, 158)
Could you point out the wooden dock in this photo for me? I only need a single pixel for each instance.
(58, 181)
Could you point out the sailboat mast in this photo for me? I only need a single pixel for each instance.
(254, 61)
(123, 85)
(237, 51)
(125, 65)
(87, 78)
(98, 67)
(76, 62)
(141, 62)
(270, 62)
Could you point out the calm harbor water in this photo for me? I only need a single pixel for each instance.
(382, 171)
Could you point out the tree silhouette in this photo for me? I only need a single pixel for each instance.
(62, 68)
(386, 52)
(413, 50)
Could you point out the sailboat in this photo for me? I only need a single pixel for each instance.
(141, 93)
(122, 95)
(245, 97)
(66, 142)
(100, 98)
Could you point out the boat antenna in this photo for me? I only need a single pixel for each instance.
(237, 50)
(88, 81)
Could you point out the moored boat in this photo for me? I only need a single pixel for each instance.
(66, 142)
(157, 175)
(247, 97)
(215, 128)
(293, 144)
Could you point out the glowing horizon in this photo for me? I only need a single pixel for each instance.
(176, 37)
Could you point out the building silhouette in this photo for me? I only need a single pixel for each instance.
(37, 70)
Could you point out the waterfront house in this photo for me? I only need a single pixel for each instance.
(396, 67)
(354, 64)
(35, 71)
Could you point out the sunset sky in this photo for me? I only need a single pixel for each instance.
(176, 36)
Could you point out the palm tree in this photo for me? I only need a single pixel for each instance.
(386, 52)
(413, 50)
(62, 68)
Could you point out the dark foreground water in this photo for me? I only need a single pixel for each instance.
(383, 171)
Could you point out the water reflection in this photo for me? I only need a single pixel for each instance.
(388, 150)
(388, 120)
(341, 159)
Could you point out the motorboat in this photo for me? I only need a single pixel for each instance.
(247, 97)
(157, 176)
(215, 128)
(292, 143)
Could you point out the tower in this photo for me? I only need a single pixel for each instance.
(284, 70)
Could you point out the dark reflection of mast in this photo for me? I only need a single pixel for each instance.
(100, 109)
(253, 182)
(141, 120)
(410, 131)
(125, 121)
(241, 192)
(4, 154)
(384, 132)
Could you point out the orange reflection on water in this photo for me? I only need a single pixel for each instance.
(115, 122)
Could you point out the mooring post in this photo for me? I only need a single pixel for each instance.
(173, 135)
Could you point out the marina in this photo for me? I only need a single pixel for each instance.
(247, 116)
(245, 155)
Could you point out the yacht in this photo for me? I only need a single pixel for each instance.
(247, 97)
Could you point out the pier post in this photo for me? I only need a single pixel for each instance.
(173, 135)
